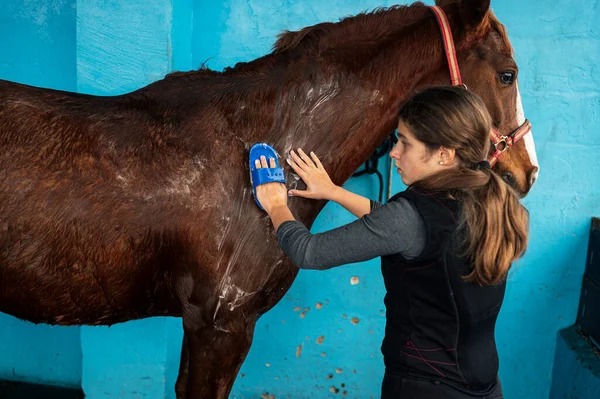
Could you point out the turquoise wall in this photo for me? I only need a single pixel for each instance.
(324, 336)
(37, 39)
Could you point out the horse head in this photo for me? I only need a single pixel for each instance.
(486, 60)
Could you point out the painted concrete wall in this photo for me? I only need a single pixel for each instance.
(37, 39)
(324, 336)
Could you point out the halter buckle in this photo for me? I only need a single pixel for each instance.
(502, 144)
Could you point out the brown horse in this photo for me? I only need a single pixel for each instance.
(139, 205)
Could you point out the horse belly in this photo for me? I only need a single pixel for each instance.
(67, 292)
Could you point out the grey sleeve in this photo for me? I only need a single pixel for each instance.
(393, 228)
(375, 204)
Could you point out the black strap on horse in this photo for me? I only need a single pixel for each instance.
(372, 164)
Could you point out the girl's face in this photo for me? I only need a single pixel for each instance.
(412, 158)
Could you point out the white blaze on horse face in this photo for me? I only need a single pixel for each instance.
(528, 138)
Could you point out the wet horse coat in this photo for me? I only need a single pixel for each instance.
(132, 206)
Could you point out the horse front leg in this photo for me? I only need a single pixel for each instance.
(182, 377)
(215, 355)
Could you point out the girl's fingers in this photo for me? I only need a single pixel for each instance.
(305, 158)
(298, 160)
(316, 160)
(296, 168)
(262, 162)
(298, 193)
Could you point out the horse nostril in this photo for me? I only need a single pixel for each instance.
(509, 178)
(533, 175)
(532, 181)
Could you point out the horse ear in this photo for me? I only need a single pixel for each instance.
(473, 11)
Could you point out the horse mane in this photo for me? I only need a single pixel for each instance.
(380, 22)
(202, 72)
(347, 35)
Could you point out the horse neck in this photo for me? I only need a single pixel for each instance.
(340, 107)
(345, 112)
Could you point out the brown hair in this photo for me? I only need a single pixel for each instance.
(494, 223)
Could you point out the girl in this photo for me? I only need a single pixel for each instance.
(446, 245)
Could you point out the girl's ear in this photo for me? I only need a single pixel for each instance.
(447, 155)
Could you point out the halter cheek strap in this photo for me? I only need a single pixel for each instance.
(442, 20)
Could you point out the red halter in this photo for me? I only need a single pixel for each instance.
(501, 143)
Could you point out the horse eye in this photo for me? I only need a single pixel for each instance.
(507, 77)
(509, 178)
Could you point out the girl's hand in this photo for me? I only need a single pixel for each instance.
(270, 195)
(312, 172)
